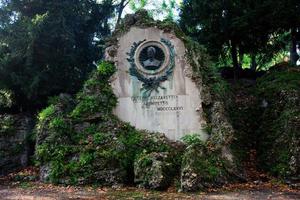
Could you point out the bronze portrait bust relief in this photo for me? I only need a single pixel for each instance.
(152, 62)
(152, 58)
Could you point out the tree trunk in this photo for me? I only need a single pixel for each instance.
(253, 62)
(241, 58)
(293, 52)
(234, 57)
(122, 5)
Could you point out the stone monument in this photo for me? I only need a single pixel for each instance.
(153, 84)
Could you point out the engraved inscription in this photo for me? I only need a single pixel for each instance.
(170, 108)
(161, 103)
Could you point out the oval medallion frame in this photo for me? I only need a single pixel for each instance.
(145, 45)
(152, 81)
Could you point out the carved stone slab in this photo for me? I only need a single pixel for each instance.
(153, 84)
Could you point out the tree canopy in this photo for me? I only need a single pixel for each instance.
(245, 27)
(49, 47)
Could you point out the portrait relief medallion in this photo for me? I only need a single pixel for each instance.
(152, 57)
(152, 62)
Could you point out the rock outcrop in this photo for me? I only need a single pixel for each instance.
(80, 141)
(15, 131)
(279, 131)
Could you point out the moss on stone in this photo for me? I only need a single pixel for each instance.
(14, 132)
(279, 139)
(46, 113)
(7, 126)
(86, 143)
(6, 100)
(154, 170)
(203, 168)
(97, 96)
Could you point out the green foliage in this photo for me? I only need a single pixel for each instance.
(48, 47)
(281, 168)
(145, 160)
(6, 99)
(97, 95)
(87, 106)
(131, 139)
(277, 143)
(169, 8)
(138, 4)
(221, 88)
(204, 68)
(106, 69)
(279, 129)
(99, 138)
(278, 80)
(207, 165)
(266, 118)
(192, 139)
(79, 143)
(60, 126)
(86, 140)
(46, 113)
(7, 125)
(96, 149)
(58, 164)
(232, 29)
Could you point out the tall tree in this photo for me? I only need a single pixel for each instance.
(49, 47)
(120, 6)
(287, 18)
(210, 22)
(244, 27)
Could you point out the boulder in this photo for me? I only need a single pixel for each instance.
(14, 147)
(202, 168)
(153, 171)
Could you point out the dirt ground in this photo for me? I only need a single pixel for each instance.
(24, 185)
(39, 191)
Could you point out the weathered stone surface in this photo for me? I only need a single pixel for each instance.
(175, 107)
(266, 116)
(112, 177)
(202, 168)
(78, 150)
(190, 83)
(153, 171)
(14, 150)
(88, 144)
(279, 147)
(45, 171)
(278, 134)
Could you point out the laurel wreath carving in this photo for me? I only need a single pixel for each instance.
(151, 84)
